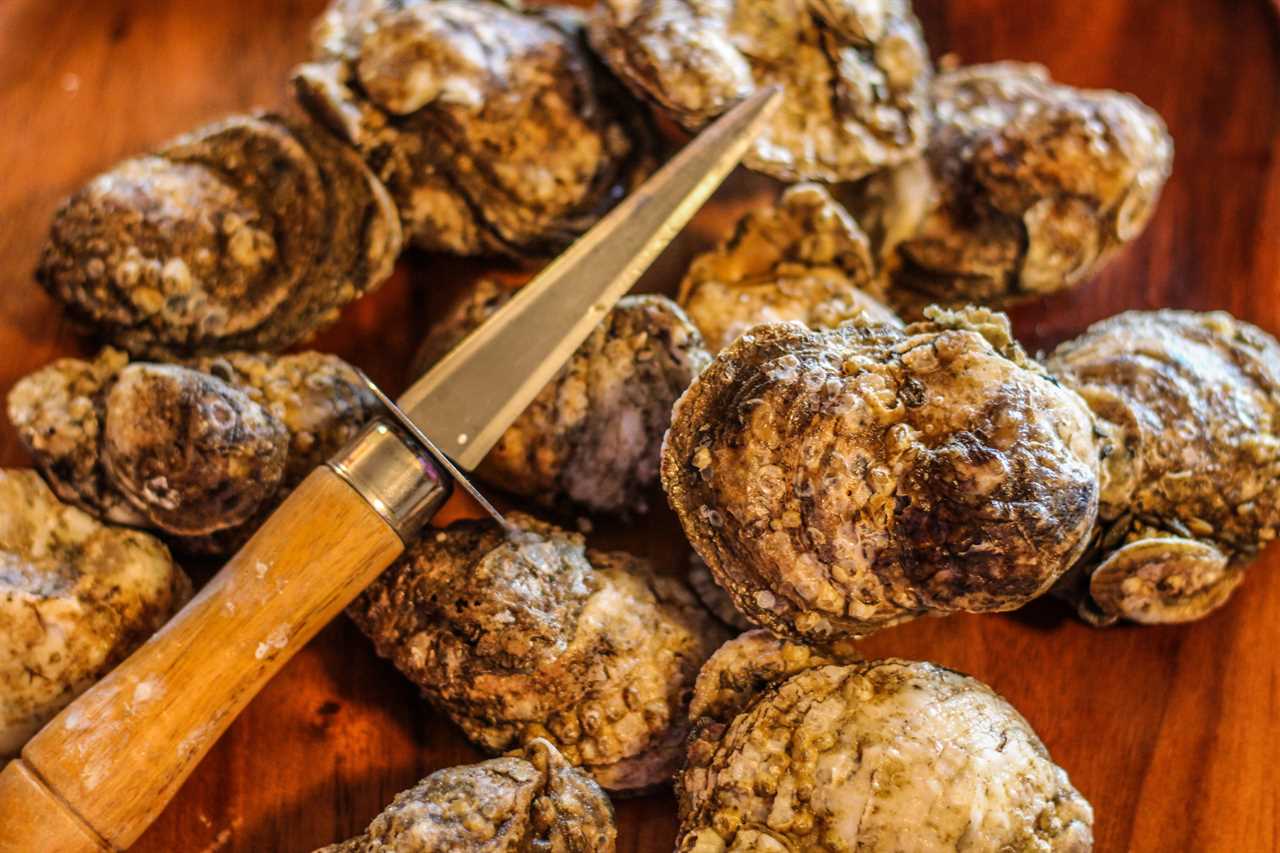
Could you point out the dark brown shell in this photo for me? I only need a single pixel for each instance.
(530, 800)
(202, 451)
(1189, 405)
(843, 480)
(803, 259)
(190, 452)
(1027, 187)
(249, 232)
(592, 437)
(494, 130)
(535, 636)
(855, 75)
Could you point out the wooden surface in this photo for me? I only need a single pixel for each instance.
(1170, 732)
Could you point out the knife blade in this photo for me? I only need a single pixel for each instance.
(474, 393)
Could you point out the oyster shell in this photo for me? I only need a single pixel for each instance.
(804, 259)
(494, 130)
(76, 597)
(592, 437)
(840, 481)
(882, 755)
(1027, 187)
(1189, 407)
(535, 636)
(200, 452)
(530, 800)
(251, 232)
(855, 75)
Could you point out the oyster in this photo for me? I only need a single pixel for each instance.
(1189, 406)
(530, 800)
(250, 233)
(494, 130)
(533, 636)
(855, 75)
(803, 752)
(804, 259)
(592, 437)
(840, 481)
(1027, 187)
(76, 597)
(199, 451)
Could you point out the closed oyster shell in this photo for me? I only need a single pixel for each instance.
(200, 452)
(535, 636)
(1189, 407)
(76, 597)
(592, 437)
(530, 800)
(494, 130)
(247, 233)
(1027, 187)
(855, 75)
(190, 452)
(882, 755)
(804, 259)
(843, 480)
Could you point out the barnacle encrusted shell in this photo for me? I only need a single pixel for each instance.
(803, 259)
(877, 756)
(76, 596)
(530, 800)
(199, 451)
(855, 75)
(1189, 405)
(1027, 187)
(247, 233)
(592, 437)
(839, 481)
(495, 130)
(748, 664)
(533, 635)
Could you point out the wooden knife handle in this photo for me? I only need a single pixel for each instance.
(101, 771)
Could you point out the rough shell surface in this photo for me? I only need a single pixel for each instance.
(76, 596)
(247, 233)
(839, 481)
(713, 596)
(855, 75)
(190, 452)
(200, 451)
(804, 259)
(536, 636)
(530, 800)
(1189, 405)
(494, 130)
(1027, 187)
(745, 666)
(592, 437)
(884, 755)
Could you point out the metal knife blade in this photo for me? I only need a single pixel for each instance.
(474, 393)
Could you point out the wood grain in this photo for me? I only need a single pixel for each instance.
(1170, 732)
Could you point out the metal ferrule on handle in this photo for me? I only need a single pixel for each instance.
(398, 479)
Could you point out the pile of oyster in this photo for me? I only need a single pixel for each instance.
(837, 411)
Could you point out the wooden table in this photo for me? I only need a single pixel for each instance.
(1170, 732)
